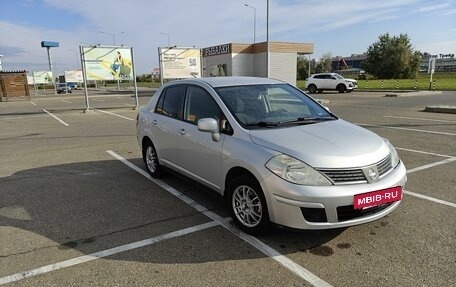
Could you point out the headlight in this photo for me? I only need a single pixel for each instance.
(295, 171)
(394, 156)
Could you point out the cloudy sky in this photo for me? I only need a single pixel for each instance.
(340, 28)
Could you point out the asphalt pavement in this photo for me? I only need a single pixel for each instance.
(78, 209)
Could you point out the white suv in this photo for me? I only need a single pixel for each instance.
(330, 81)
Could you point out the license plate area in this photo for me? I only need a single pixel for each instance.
(374, 198)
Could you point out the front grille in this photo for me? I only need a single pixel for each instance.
(344, 175)
(356, 175)
(384, 166)
(347, 212)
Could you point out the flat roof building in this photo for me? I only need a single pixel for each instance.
(252, 60)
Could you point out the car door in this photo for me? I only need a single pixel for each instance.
(165, 122)
(198, 155)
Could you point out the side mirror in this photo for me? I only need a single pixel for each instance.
(210, 125)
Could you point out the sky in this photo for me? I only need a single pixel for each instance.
(337, 28)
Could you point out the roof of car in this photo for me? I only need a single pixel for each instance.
(231, 81)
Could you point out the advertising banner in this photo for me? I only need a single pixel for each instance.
(73, 76)
(108, 63)
(180, 63)
(40, 77)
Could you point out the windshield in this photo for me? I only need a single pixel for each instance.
(272, 106)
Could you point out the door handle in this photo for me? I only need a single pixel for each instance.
(182, 131)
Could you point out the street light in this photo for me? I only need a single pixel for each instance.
(1, 56)
(254, 21)
(113, 36)
(167, 35)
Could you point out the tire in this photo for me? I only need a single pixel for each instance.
(312, 88)
(151, 160)
(341, 88)
(248, 206)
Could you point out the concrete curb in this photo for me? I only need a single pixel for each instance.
(441, 109)
(412, 94)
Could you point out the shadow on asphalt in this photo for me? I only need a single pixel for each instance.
(92, 206)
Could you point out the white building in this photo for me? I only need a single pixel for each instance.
(252, 60)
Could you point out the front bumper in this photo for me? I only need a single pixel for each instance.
(325, 207)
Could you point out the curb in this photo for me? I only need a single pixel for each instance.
(412, 94)
(441, 109)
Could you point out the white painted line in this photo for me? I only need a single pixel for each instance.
(65, 101)
(430, 198)
(407, 129)
(33, 103)
(113, 114)
(424, 152)
(104, 253)
(55, 117)
(431, 165)
(420, 119)
(264, 248)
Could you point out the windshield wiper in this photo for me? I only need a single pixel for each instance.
(308, 120)
(263, 124)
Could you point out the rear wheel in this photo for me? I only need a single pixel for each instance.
(312, 88)
(151, 160)
(248, 206)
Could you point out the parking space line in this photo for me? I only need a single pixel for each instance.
(430, 198)
(406, 129)
(33, 103)
(255, 242)
(113, 114)
(104, 253)
(55, 117)
(424, 152)
(65, 101)
(420, 119)
(448, 160)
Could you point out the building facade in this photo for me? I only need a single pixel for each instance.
(278, 61)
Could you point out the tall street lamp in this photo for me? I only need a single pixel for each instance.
(254, 21)
(167, 35)
(113, 36)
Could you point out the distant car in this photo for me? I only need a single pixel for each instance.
(73, 85)
(63, 88)
(273, 152)
(330, 81)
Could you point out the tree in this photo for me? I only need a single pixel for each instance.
(392, 58)
(302, 68)
(324, 64)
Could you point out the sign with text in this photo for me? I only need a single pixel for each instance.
(217, 50)
(107, 63)
(180, 63)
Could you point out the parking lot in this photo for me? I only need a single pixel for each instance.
(77, 207)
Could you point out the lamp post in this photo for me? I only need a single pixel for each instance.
(167, 35)
(254, 21)
(1, 56)
(113, 36)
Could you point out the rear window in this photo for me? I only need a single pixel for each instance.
(171, 102)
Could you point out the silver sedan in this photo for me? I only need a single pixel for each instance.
(274, 153)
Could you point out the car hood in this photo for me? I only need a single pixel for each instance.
(351, 80)
(330, 144)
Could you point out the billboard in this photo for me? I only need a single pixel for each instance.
(73, 76)
(40, 77)
(107, 63)
(180, 63)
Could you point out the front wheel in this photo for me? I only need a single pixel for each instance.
(248, 206)
(341, 88)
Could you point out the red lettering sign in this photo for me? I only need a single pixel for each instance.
(377, 197)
